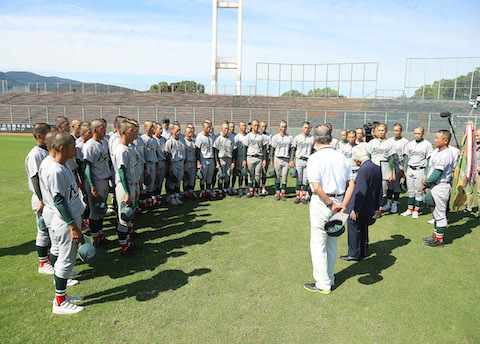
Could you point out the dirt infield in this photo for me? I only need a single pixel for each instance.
(21, 134)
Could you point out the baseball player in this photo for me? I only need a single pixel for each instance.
(205, 158)
(303, 147)
(32, 165)
(231, 128)
(190, 163)
(215, 170)
(66, 221)
(166, 128)
(280, 157)
(437, 180)
(151, 159)
(85, 135)
(63, 125)
(126, 176)
(417, 155)
(348, 151)
(263, 130)
(225, 154)
(240, 141)
(175, 151)
(361, 137)
(393, 187)
(76, 123)
(380, 149)
(334, 143)
(254, 156)
(162, 161)
(343, 138)
(97, 173)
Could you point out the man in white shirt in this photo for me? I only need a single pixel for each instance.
(331, 180)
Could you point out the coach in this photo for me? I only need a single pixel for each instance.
(362, 206)
(331, 181)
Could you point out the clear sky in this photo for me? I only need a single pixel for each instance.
(146, 41)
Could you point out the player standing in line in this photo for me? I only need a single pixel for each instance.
(175, 151)
(255, 158)
(231, 128)
(393, 188)
(349, 149)
(343, 138)
(380, 149)
(361, 138)
(32, 165)
(335, 144)
(263, 130)
(97, 173)
(151, 159)
(126, 176)
(438, 181)
(85, 135)
(205, 158)
(63, 125)
(162, 162)
(417, 155)
(249, 127)
(190, 163)
(76, 123)
(215, 170)
(303, 147)
(66, 221)
(231, 132)
(240, 141)
(225, 154)
(281, 154)
(166, 128)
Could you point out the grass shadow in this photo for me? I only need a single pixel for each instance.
(19, 250)
(371, 268)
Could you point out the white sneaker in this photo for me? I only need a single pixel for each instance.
(234, 191)
(46, 269)
(264, 192)
(213, 194)
(394, 208)
(407, 212)
(432, 221)
(415, 215)
(173, 201)
(240, 192)
(66, 308)
(74, 298)
(178, 201)
(195, 195)
(386, 207)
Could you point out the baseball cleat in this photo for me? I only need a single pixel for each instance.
(297, 200)
(128, 253)
(435, 243)
(304, 200)
(407, 212)
(213, 194)
(234, 191)
(73, 299)
(430, 238)
(394, 209)
(66, 308)
(277, 197)
(258, 196)
(415, 215)
(250, 194)
(283, 197)
(178, 201)
(432, 221)
(240, 192)
(386, 207)
(264, 192)
(313, 287)
(173, 201)
(46, 269)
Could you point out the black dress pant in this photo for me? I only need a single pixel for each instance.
(358, 237)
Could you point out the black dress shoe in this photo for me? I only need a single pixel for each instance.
(350, 258)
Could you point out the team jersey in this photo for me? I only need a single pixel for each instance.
(399, 149)
(96, 153)
(455, 151)
(124, 156)
(282, 145)
(166, 134)
(61, 182)
(362, 144)
(418, 152)
(348, 151)
(79, 150)
(268, 137)
(225, 146)
(46, 164)
(443, 161)
(205, 144)
(303, 145)
(335, 143)
(161, 147)
(113, 141)
(380, 150)
(190, 150)
(176, 149)
(32, 163)
(240, 142)
(255, 143)
(150, 148)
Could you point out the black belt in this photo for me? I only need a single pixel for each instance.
(255, 156)
(302, 158)
(416, 168)
(331, 195)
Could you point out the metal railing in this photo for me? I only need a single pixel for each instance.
(349, 119)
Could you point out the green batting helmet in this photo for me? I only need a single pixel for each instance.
(87, 252)
(428, 199)
(244, 172)
(336, 225)
(293, 172)
(100, 207)
(126, 212)
(271, 172)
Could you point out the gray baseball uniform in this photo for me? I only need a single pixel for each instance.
(282, 144)
(348, 150)
(177, 150)
(254, 149)
(191, 162)
(161, 141)
(225, 147)
(418, 153)
(205, 145)
(151, 159)
(303, 149)
(48, 210)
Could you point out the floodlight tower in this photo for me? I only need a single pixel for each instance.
(227, 62)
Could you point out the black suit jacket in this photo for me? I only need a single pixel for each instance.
(368, 187)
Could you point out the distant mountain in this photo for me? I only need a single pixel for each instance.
(23, 78)
(26, 82)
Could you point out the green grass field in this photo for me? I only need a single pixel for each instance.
(233, 271)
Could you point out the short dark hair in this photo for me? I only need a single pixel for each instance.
(40, 128)
(62, 140)
(446, 134)
(166, 120)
